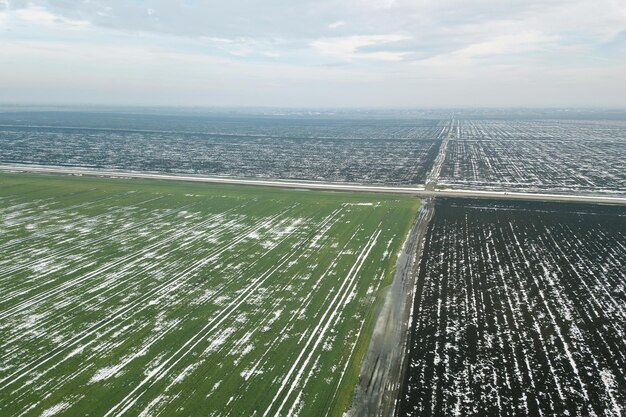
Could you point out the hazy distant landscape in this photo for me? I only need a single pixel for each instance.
(381, 152)
(524, 150)
(578, 155)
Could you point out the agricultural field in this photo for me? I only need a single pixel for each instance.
(135, 297)
(529, 151)
(520, 309)
(585, 156)
(356, 151)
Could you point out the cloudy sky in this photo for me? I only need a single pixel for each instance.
(322, 53)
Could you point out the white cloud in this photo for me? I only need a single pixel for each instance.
(245, 47)
(397, 50)
(105, 12)
(508, 44)
(336, 24)
(39, 16)
(154, 76)
(348, 48)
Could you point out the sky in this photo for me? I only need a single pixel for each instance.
(314, 53)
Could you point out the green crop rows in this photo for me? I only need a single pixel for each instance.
(167, 298)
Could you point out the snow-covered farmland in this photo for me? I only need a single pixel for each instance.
(147, 298)
(563, 152)
(536, 155)
(359, 151)
(520, 309)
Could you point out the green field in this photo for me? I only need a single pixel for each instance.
(140, 297)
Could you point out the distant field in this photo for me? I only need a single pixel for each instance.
(520, 310)
(530, 151)
(145, 298)
(537, 155)
(357, 151)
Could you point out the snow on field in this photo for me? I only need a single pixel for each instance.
(520, 310)
(55, 409)
(158, 303)
(381, 151)
(537, 156)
